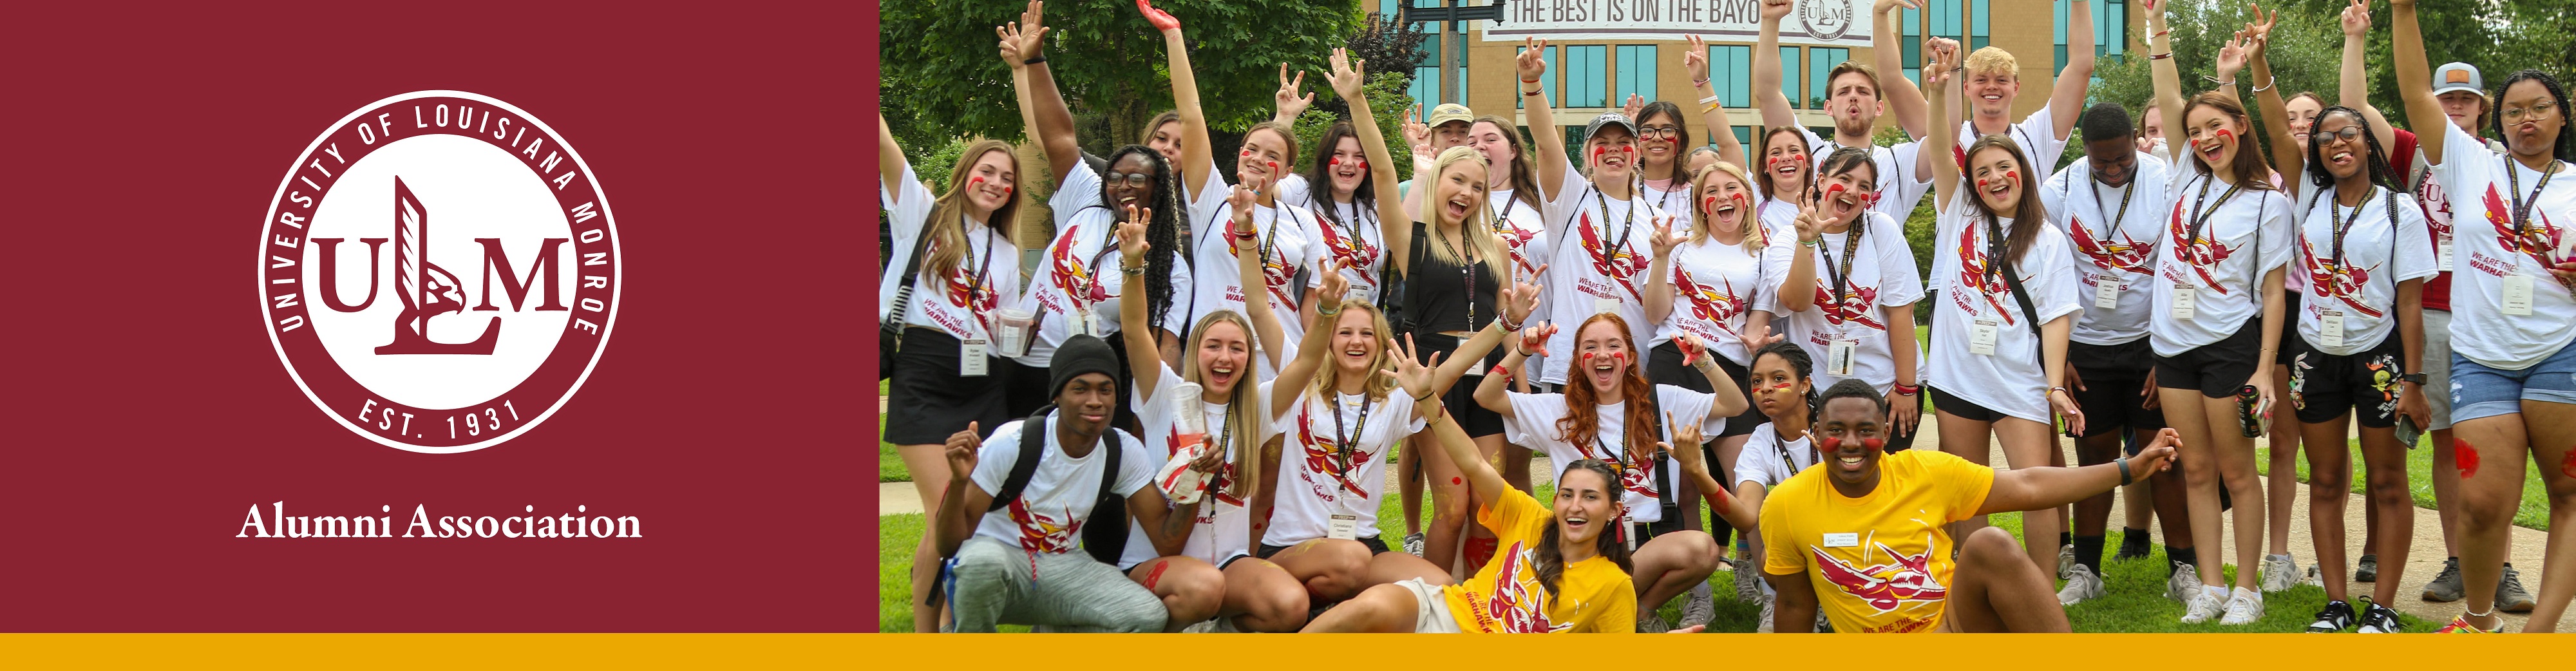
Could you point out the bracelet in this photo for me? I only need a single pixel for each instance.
(1531, 93)
(1034, 61)
(2053, 390)
(1533, 81)
(2215, 80)
(1321, 312)
(1131, 272)
(2267, 87)
(1703, 81)
(1902, 389)
(2159, 57)
(2162, 33)
(2125, 479)
(1508, 325)
(1710, 107)
(1818, 242)
(1711, 100)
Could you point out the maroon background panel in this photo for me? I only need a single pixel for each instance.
(143, 411)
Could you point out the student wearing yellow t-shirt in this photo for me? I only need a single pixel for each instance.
(1861, 535)
(1555, 570)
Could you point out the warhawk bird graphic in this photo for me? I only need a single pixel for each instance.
(426, 290)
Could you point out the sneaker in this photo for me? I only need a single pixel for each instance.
(1700, 609)
(2446, 586)
(2510, 596)
(2460, 625)
(2133, 545)
(2065, 561)
(2184, 583)
(2335, 617)
(2081, 584)
(2204, 606)
(1413, 544)
(2368, 570)
(2280, 573)
(1765, 627)
(2244, 608)
(1652, 624)
(1199, 627)
(1748, 587)
(2380, 620)
(1823, 626)
(2316, 577)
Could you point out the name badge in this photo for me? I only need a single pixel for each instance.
(1344, 528)
(2182, 300)
(2442, 259)
(971, 354)
(1850, 540)
(2330, 329)
(1601, 305)
(2517, 295)
(1982, 335)
(2106, 294)
(1091, 325)
(1838, 357)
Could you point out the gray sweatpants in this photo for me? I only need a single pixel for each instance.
(999, 583)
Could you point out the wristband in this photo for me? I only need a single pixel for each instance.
(1506, 322)
(1707, 100)
(2159, 57)
(1905, 389)
(1532, 81)
(1818, 242)
(2125, 479)
(2417, 378)
(1531, 93)
(1131, 272)
(1703, 81)
(1321, 312)
(1034, 61)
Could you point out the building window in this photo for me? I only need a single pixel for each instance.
(1636, 73)
(1821, 62)
(1587, 75)
(1913, 45)
(1945, 19)
(1978, 36)
(1789, 77)
(1426, 75)
(1547, 82)
(1731, 65)
(2110, 30)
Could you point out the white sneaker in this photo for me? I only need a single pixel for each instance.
(2245, 608)
(2081, 584)
(2184, 583)
(1700, 609)
(1653, 624)
(2280, 573)
(1200, 627)
(2065, 562)
(1748, 587)
(1765, 628)
(2204, 606)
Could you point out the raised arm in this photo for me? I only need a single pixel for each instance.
(1459, 449)
(1196, 159)
(1133, 324)
(1659, 274)
(1711, 112)
(1495, 392)
(1049, 120)
(2045, 487)
(1347, 80)
(1798, 288)
(1730, 398)
(2415, 81)
(2286, 154)
(1777, 112)
(1939, 60)
(1694, 465)
(1290, 105)
(1300, 372)
(1904, 102)
(2353, 81)
(1551, 165)
(964, 501)
(1242, 237)
(890, 160)
(2168, 81)
(2066, 101)
(1517, 300)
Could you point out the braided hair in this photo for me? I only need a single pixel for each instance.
(1162, 233)
(2375, 164)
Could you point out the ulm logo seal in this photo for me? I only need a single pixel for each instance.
(439, 271)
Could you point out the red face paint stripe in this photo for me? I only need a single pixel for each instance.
(2568, 467)
(2466, 457)
(1155, 575)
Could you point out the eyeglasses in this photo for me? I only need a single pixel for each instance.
(1660, 132)
(2534, 112)
(1133, 179)
(2348, 134)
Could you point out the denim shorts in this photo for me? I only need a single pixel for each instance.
(2479, 392)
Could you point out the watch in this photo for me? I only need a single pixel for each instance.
(2417, 378)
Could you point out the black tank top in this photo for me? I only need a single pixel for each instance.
(1436, 293)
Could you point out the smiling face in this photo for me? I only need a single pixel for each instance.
(1851, 434)
(1991, 91)
(1087, 402)
(1224, 357)
(1662, 137)
(1777, 389)
(1604, 356)
(1614, 153)
(1726, 201)
(1461, 191)
(2464, 109)
(1356, 346)
(1349, 165)
(2114, 160)
(1848, 192)
(998, 174)
(2303, 117)
(2151, 129)
(1488, 138)
(1784, 158)
(2214, 136)
(1998, 178)
(1451, 134)
(1855, 105)
(1167, 140)
(2342, 158)
(1265, 151)
(1585, 505)
(2532, 118)
(1123, 190)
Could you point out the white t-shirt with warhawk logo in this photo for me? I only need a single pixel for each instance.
(988, 273)
(2123, 251)
(1080, 272)
(1051, 510)
(2245, 236)
(1224, 527)
(1349, 232)
(1533, 423)
(2013, 380)
(1287, 236)
(1318, 478)
(1600, 259)
(1882, 276)
(2362, 289)
(1715, 287)
(2489, 249)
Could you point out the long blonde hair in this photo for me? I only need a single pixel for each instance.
(1751, 219)
(1240, 405)
(946, 227)
(1487, 247)
(1328, 376)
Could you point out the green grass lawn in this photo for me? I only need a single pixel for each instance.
(2534, 513)
(2135, 602)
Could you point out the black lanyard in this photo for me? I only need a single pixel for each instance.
(1627, 224)
(1842, 275)
(1359, 242)
(974, 292)
(2200, 216)
(2339, 226)
(1994, 252)
(2125, 193)
(1346, 441)
(1466, 269)
(2522, 208)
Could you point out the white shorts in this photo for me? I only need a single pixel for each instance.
(1431, 608)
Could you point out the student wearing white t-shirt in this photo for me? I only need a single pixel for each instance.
(1775, 449)
(1600, 222)
(1782, 170)
(2360, 346)
(1998, 351)
(2513, 376)
(1021, 546)
(1855, 101)
(945, 374)
(1707, 281)
(1346, 219)
(1846, 283)
(2218, 295)
(1612, 413)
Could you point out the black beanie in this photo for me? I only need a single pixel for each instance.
(1080, 354)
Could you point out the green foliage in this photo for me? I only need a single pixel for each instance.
(940, 160)
(1387, 100)
(2305, 53)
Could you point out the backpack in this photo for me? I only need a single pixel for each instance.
(1105, 534)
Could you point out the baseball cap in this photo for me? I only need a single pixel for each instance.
(1450, 112)
(2458, 77)
(1608, 118)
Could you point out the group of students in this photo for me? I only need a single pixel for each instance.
(1672, 327)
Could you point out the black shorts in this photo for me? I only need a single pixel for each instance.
(1376, 547)
(2288, 326)
(1664, 366)
(1961, 408)
(2323, 386)
(2216, 370)
(2114, 376)
(1461, 398)
(927, 401)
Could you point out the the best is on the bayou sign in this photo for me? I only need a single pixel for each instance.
(1834, 23)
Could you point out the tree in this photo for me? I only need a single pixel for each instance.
(1389, 46)
(1388, 100)
(939, 56)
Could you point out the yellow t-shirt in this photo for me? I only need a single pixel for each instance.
(1880, 563)
(1505, 597)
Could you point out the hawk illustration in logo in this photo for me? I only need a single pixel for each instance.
(1222, 488)
(1351, 252)
(1972, 273)
(1040, 532)
(2327, 278)
(1517, 606)
(2540, 241)
(1635, 475)
(1884, 586)
(1070, 277)
(1517, 240)
(2201, 253)
(1714, 305)
(2126, 255)
(1621, 264)
(1854, 308)
(1275, 273)
(426, 290)
(1321, 454)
